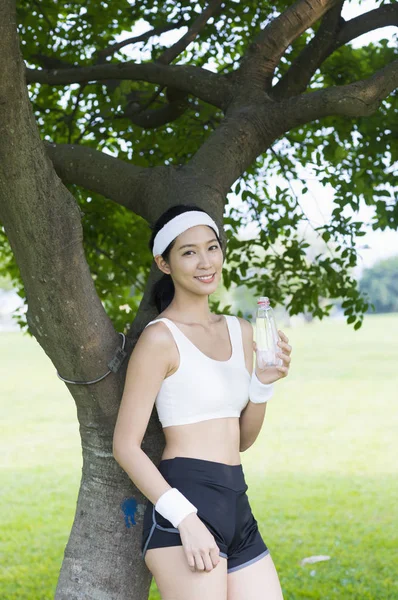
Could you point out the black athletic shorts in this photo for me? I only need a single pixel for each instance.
(218, 491)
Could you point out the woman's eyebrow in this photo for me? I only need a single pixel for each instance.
(186, 245)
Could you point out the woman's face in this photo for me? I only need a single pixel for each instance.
(196, 252)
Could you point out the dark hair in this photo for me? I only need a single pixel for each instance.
(162, 292)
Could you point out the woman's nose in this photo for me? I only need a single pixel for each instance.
(205, 263)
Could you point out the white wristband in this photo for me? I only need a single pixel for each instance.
(260, 392)
(174, 506)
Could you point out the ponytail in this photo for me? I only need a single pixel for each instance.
(162, 292)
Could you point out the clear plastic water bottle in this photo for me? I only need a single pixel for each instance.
(267, 336)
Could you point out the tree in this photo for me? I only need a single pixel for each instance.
(286, 86)
(380, 282)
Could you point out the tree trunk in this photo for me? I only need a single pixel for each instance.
(102, 558)
(42, 222)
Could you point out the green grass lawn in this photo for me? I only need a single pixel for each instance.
(322, 475)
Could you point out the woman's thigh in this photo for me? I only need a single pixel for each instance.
(176, 581)
(258, 580)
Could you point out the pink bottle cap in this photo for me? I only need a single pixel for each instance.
(264, 301)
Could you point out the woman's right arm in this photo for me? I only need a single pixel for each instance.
(148, 365)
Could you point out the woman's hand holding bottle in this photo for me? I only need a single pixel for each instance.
(270, 374)
(199, 544)
(271, 345)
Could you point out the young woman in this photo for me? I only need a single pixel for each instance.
(200, 539)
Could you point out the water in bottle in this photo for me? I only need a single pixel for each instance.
(267, 336)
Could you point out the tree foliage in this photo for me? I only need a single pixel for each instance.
(152, 125)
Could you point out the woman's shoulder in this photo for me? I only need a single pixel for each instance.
(246, 326)
(245, 322)
(156, 331)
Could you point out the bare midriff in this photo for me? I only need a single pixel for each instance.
(215, 439)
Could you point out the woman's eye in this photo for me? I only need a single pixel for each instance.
(188, 251)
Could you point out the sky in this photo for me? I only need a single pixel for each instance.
(318, 201)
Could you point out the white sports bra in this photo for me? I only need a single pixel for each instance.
(203, 388)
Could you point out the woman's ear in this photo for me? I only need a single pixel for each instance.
(162, 264)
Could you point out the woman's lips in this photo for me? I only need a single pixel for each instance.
(207, 280)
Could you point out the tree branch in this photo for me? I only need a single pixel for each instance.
(302, 69)
(249, 129)
(210, 87)
(383, 16)
(154, 118)
(358, 99)
(264, 53)
(150, 119)
(333, 33)
(171, 53)
(118, 180)
(110, 50)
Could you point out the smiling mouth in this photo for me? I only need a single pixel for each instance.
(205, 278)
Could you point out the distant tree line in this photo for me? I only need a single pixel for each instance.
(381, 283)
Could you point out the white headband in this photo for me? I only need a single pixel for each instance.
(179, 224)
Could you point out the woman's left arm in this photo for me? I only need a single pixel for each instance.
(252, 416)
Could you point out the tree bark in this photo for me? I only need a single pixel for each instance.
(42, 222)
(126, 184)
